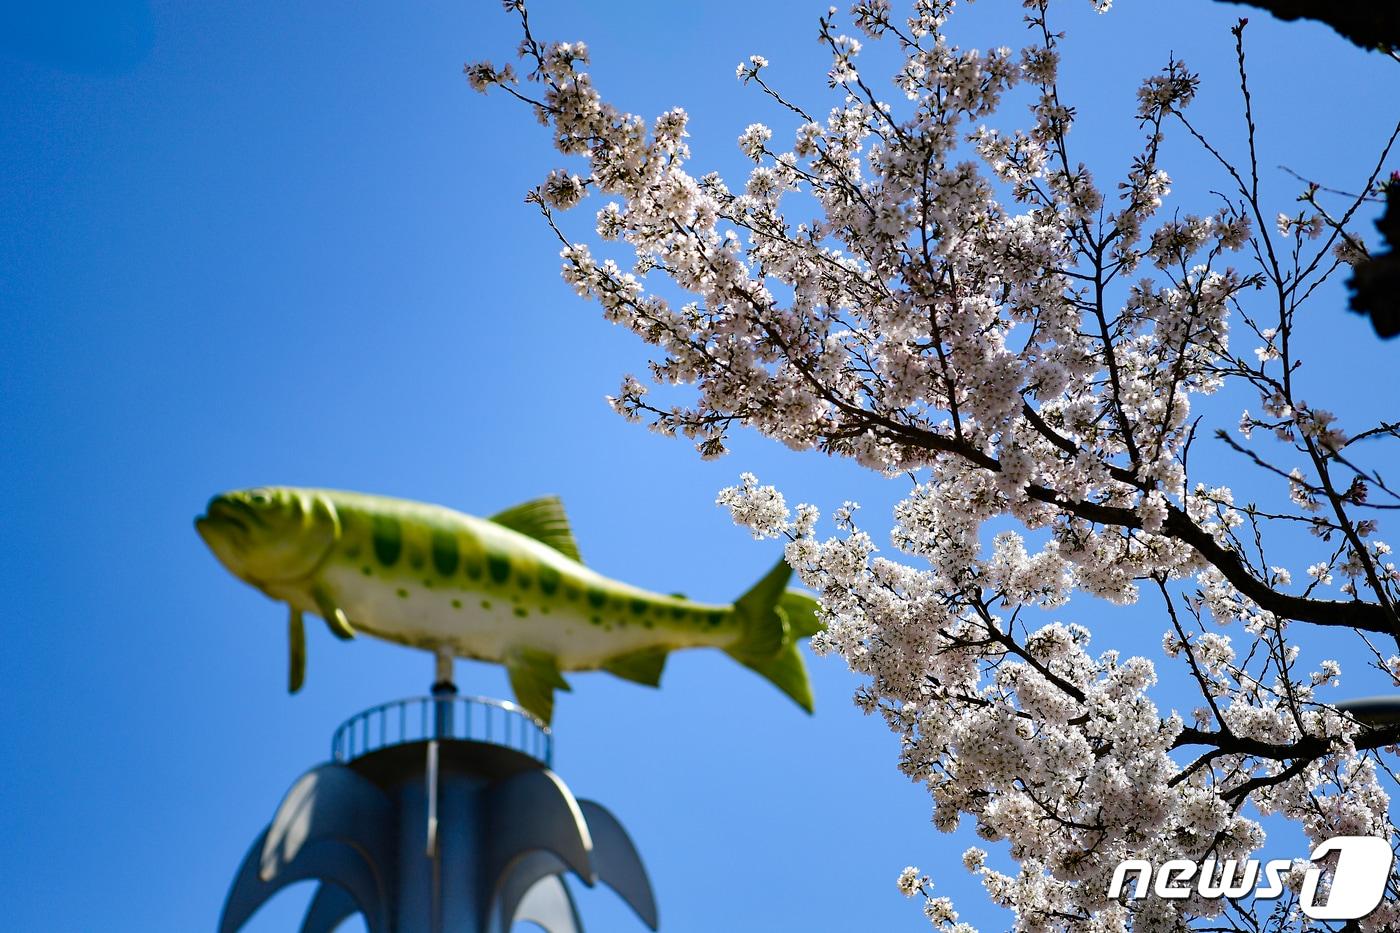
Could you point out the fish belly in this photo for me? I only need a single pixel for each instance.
(492, 626)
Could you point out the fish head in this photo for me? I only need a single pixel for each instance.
(270, 534)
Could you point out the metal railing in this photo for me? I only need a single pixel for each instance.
(420, 719)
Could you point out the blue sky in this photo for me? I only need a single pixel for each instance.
(253, 242)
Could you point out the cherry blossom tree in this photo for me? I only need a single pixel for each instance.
(902, 285)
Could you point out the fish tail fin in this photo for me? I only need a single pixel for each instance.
(786, 671)
(801, 612)
(772, 620)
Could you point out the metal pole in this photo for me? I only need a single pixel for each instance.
(445, 693)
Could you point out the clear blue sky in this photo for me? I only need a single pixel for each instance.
(255, 242)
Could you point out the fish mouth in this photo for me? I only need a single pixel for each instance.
(224, 516)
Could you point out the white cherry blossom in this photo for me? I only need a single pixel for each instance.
(918, 291)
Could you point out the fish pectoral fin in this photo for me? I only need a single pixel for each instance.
(534, 676)
(335, 617)
(296, 651)
(640, 667)
(544, 520)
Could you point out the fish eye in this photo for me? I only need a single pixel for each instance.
(259, 497)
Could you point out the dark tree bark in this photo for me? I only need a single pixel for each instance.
(1371, 24)
(1375, 285)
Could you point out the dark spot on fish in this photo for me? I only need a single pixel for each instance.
(549, 580)
(367, 570)
(415, 558)
(388, 540)
(715, 618)
(595, 620)
(596, 597)
(427, 583)
(445, 556)
(524, 581)
(677, 612)
(498, 565)
(639, 606)
(520, 612)
(403, 593)
(456, 604)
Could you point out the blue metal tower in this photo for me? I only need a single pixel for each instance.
(439, 814)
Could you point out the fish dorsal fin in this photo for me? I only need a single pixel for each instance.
(544, 520)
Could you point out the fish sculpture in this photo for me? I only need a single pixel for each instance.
(510, 589)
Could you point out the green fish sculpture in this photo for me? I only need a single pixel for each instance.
(509, 589)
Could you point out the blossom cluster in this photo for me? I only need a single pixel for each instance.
(967, 306)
